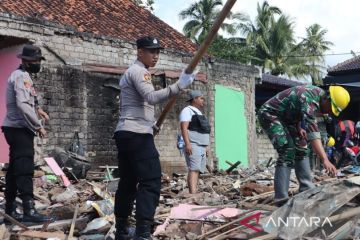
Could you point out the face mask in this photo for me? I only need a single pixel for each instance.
(33, 67)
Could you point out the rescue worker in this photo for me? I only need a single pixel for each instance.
(330, 149)
(280, 117)
(195, 129)
(344, 131)
(138, 159)
(20, 126)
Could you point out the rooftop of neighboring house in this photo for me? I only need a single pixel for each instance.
(271, 79)
(121, 19)
(349, 66)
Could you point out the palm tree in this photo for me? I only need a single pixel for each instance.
(315, 45)
(202, 16)
(271, 36)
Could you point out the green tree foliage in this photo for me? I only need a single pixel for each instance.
(234, 49)
(202, 15)
(268, 41)
(315, 46)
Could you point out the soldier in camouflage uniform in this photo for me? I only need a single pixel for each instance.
(281, 118)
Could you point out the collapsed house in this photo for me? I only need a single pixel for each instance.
(88, 46)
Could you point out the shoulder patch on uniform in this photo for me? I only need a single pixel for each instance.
(147, 77)
(27, 83)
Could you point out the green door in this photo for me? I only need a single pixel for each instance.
(230, 127)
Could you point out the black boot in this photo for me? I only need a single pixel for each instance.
(143, 230)
(31, 215)
(122, 230)
(10, 209)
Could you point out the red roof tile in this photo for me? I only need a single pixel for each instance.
(120, 19)
(348, 66)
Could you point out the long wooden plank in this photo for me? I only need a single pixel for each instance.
(42, 235)
(13, 221)
(197, 57)
(72, 227)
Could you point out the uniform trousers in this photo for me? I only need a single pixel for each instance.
(21, 163)
(140, 175)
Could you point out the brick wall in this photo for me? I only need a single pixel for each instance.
(79, 101)
(265, 148)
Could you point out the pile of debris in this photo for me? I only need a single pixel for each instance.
(230, 205)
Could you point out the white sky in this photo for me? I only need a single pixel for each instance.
(340, 17)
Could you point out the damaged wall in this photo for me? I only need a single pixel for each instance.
(77, 99)
(265, 148)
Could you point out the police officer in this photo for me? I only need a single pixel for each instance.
(20, 126)
(138, 159)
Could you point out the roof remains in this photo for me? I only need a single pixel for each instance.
(268, 78)
(349, 66)
(120, 19)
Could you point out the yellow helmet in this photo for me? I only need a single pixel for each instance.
(340, 98)
(330, 142)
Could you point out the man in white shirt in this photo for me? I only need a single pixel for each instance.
(195, 130)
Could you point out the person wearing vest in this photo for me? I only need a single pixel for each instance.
(20, 126)
(138, 158)
(195, 129)
(344, 131)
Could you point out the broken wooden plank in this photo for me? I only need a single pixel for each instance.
(57, 170)
(42, 235)
(232, 166)
(54, 225)
(44, 199)
(13, 221)
(343, 231)
(72, 227)
(242, 216)
(345, 215)
(4, 232)
(108, 167)
(213, 207)
(257, 206)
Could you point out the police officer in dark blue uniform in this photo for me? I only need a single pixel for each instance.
(20, 126)
(139, 165)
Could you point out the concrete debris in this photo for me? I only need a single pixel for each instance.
(228, 205)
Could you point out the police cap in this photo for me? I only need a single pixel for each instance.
(148, 42)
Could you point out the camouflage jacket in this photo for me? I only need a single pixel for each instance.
(296, 104)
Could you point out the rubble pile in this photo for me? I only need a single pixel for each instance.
(229, 205)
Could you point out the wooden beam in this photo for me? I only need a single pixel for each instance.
(42, 235)
(72, 227)
(197, 57)
(13, 221)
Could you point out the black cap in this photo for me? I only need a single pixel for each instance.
(31, 53)
(148, 42)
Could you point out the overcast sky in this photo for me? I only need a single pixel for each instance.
(340, 17)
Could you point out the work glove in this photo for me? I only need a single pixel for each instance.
(156, 129)
(185, 79)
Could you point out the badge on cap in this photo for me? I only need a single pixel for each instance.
(155, 41)
(147, 77)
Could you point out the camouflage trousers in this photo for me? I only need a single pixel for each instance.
(285, 139)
